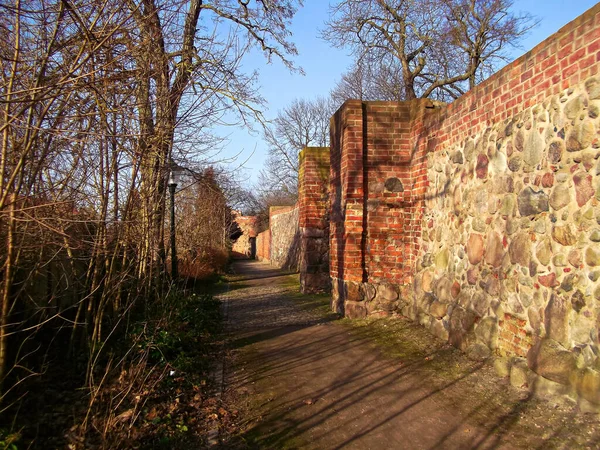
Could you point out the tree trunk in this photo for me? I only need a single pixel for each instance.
(6, 289)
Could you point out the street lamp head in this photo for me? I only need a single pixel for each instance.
(173, 178)
(175, 175)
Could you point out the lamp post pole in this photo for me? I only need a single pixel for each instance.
(172, 186)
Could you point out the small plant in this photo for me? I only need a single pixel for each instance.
(8, 440)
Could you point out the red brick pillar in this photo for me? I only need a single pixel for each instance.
(378, 180)
(313, 202)
(389, 179)
(347, 209)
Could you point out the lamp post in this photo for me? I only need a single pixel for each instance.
(173, 181)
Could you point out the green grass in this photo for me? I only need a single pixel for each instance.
(396, 338)
(401, 339)
(320, 304)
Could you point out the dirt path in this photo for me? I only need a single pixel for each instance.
(303, 380)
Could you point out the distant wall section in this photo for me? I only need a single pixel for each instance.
(242, 247)
(285, 237)
(263, 246)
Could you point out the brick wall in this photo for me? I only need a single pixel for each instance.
(346, 190)
(313, 204)
(298, 236)
(394, 206)
(376, 158)
(513, 338)
(480, 219)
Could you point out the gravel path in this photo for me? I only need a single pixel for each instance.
(301, 380)
(259, 298)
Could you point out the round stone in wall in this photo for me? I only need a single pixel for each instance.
(592, 85)
(394, 185)
(370, 291)
(531, 202)
(555, 151)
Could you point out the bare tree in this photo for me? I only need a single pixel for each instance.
(258, 203)
(205, 222)
(369, 82)
(93, 97)
(443, 47)
(56, 162)
(177, 55)
(301, 124)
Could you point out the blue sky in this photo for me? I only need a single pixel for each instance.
(323, 66)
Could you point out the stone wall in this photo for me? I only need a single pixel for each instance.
(298, 236)
(481, 219)
(313, 203)
(285, 237)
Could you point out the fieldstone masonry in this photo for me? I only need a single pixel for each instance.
(284, 236)
(279, 245)
(263, 246)
(481, 219)
(298, 236)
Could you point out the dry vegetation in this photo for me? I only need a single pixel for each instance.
(98, 100)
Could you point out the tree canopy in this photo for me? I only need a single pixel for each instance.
(302, 123)
(441, 47)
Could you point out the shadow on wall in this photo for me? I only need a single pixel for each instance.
(293, 254)
(285, 237)
(379, 192)
(337, 217)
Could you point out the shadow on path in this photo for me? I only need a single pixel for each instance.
(305, 381)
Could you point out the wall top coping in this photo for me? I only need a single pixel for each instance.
(275, 210)
(412, 106)
(314, 151)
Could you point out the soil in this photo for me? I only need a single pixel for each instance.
(298, 376)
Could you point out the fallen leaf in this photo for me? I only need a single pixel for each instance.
(152, 414)
(125, 416)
